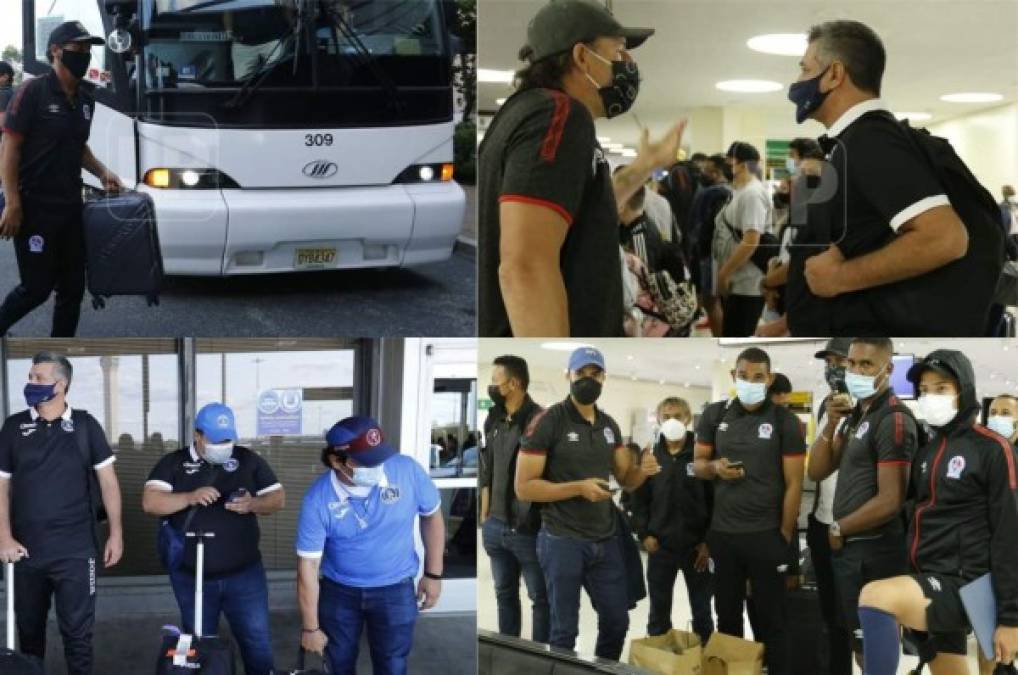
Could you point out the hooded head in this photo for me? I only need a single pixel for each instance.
(954, 364)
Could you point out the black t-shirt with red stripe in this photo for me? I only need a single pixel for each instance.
(54, 130)
(872, 439)
(541, 148)
(761, 439)
(575, 450)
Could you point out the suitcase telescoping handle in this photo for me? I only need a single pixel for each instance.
(9, 578)
(199, 577)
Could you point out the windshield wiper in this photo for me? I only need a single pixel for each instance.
(366, 57)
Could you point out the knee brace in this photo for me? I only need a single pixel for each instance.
(881, 648)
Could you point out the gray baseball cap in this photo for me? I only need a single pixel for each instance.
(562, 23)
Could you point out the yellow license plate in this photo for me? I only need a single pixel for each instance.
(314, 257)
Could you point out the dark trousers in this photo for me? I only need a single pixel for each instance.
(663, 567)
(50, 249)
(244, 598)
(71, 582)
(742, 314)
(388, 612)
(514, 555)
(838, 636)
(755, 557)
(858, 563)
(571, 564)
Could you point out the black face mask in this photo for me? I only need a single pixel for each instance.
(75, 62)
(496, 395)
(618, 95)
(585, 390)
(781, 199)
(835, 376)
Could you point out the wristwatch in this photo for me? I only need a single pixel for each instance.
(835, 529)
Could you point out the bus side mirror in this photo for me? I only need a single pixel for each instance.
(122, 38)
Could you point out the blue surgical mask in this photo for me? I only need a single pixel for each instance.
(807, 97)
(750, 393)
(367, 476)
(1002, 424)
(861, 387)
(36, 394)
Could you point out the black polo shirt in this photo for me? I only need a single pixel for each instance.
(872, 439)
(884, 182)
(6, 94)
(541, 148)
(55, 131)
(575, 450)
(50, 511)
(761, 439)
(235, 545)
(502, 441)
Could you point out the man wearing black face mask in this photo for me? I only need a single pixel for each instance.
(569, 452)
(45, 148)
(885, 230)
(548, 206)
(508, 525)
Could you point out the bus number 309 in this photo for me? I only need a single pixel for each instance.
(311, 140)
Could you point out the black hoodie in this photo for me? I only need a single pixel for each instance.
(677, 514)
(965, 489)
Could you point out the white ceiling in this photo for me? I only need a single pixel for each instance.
(934, 47)
(692, 362)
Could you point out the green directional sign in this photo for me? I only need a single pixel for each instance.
(484, 404)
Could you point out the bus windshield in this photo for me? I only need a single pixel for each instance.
(254, 62)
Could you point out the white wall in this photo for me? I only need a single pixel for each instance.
(988, 143)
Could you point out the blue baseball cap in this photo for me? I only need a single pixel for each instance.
(215, 422)
(361, 439)
(586, 356)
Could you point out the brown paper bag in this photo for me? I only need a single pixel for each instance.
(674, 653)
(729, 655)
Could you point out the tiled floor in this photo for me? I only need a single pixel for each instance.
(487, 617)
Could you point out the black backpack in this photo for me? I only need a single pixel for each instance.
(916, 306)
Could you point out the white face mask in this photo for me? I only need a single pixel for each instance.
(938, 409)
(218, 453)
(673, 429)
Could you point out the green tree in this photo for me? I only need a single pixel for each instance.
(464, 27)
(12, 55)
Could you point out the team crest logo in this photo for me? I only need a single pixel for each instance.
(86, 112)
(609, 435)
(36, 243)
(863, 428)
(67, 425)
(573, 436)
(339, 509)
(689, 470)
(389, 495)
(955, 467)
(373, 437)
(766, 431)
(923, 467)
(231, 465)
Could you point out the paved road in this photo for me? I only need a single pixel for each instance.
(432, 300)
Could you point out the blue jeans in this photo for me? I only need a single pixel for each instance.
(571, 564)
(244, 598)
(389, 612)
(513, 555)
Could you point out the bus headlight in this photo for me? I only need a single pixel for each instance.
(188, 179)
(426, 173)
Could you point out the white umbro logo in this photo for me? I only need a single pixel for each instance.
(723, 426)
(54, 108)
(934, 583)
(573, 436)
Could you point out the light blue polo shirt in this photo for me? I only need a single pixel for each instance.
(367, 542)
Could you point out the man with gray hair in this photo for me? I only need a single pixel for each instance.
(55, 466)
(883, 248)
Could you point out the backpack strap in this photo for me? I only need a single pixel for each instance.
(80, 418)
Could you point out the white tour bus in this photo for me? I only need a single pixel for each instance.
(275, 135)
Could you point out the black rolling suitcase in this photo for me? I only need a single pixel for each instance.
(311, 671)
(11, 662)
(196, 654)
(122, 247)
(804, 626)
